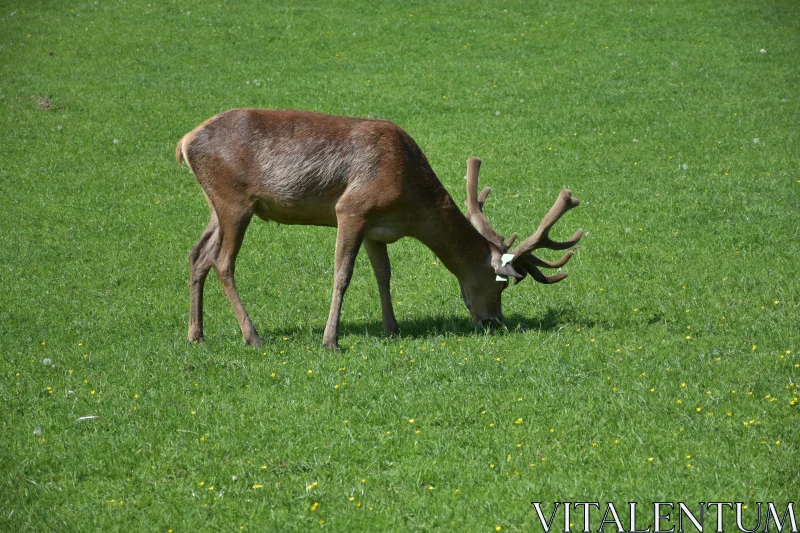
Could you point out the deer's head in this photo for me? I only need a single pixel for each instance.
(483, 290)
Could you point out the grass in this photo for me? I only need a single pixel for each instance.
(664, 369)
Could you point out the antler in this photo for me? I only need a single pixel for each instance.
(525, 262)
(475, 203)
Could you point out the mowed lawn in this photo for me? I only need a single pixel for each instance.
(664, 368)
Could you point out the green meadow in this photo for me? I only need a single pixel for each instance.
(664, 368)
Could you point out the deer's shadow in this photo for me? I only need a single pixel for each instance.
(551, 319)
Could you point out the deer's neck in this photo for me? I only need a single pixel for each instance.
(459, 246)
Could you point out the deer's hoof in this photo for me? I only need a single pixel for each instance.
(253, 342)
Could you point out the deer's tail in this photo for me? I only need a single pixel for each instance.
(181, 151)
(179, 156)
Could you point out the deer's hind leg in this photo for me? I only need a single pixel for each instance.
(218, 248)
(232, 227)
(201, 259)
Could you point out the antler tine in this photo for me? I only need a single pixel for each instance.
(529, 263)
(541, 239)
(511, 239)
(473, 167)
(552, 264)
(475, 205)
(482, 196)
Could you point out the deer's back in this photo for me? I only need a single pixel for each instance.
(294, 166)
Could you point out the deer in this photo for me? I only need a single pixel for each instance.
(371, 181)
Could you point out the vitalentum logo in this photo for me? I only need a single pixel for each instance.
(669, 517)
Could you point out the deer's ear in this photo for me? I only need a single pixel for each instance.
(507, 270)
(502, 265)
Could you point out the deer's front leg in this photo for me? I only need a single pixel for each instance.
(379, 259)
(349, 235)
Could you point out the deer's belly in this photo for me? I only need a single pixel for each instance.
(295, 214)
(385, 234)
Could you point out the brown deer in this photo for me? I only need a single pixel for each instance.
(367, 178)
